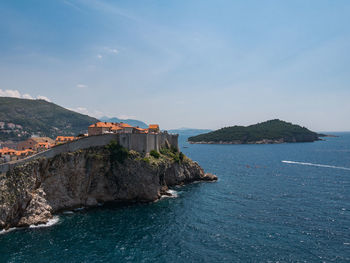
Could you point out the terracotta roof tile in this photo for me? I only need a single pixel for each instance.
(125, 125)
(153, 126)
(62, 138)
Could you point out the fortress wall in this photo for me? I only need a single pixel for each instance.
(72, 146)
(171, 138)
(124, 140)
(138, 142)
(151, 143)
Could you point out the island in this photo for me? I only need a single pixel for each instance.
(268, 132)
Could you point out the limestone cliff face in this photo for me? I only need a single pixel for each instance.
(31, 193)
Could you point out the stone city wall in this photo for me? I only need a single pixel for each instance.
(138, 142)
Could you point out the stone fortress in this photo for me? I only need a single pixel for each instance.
(102, 133)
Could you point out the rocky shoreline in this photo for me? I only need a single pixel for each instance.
(35, 191)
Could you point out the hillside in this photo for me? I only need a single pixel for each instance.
(22, 118)
(132, 122)
(273, 131)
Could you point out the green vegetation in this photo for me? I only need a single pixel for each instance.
(38, 117)
(181, 156)
(173, 153)
(146, 160)
(117, 152)
(97, 156)
(269, 130)
(155, 154)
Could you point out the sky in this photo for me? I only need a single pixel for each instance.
(182, 63)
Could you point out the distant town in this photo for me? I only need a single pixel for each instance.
(37, 144)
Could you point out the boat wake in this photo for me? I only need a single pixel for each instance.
(318, 165)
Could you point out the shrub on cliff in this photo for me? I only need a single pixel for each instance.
(155, 154)
(117, 152)
(181, 156)
(173, 153)
(169, 151)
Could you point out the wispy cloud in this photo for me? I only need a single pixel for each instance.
(27, 96)
(66, 2)
(124, 117)
(104, 52)
(10, 93)
(107, 8)
(39, 97)
(112, 50)
(82, 86)
(17, 94)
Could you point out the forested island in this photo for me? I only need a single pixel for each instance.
(272, 131)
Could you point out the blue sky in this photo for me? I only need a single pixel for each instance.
(182, 63)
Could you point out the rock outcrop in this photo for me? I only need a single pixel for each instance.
(32, 193)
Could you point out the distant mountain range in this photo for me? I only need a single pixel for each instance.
(22, 118)
(131, 122)
(273, 131)
(189, 131)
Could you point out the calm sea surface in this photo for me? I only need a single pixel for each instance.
(260, 210)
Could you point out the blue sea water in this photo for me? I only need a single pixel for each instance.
(261, 210)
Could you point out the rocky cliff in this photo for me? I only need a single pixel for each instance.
(32, 193)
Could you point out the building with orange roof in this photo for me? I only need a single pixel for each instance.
(33, 143)
(116, 129)
(100, 128)
(24, 153)
(7, 151)
(111, 127)
(64, 139)
(140, 130)
(42, 146)
(7, 154)
(126, 127)
(153, 128)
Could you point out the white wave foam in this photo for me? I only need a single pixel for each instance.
(68, 213)
(7, 231)
(51, 222)
(318, 165)
(171, 194)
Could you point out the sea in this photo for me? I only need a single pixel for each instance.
(272, 203)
